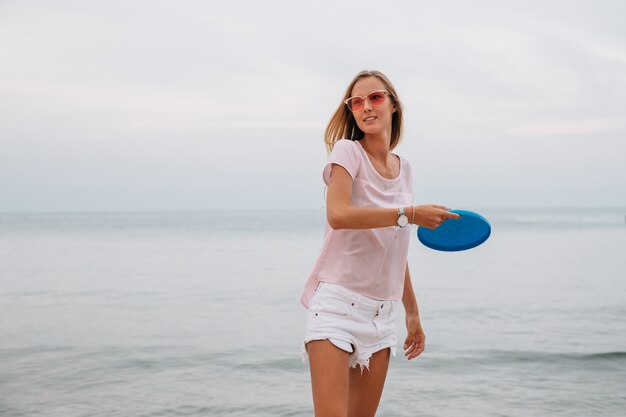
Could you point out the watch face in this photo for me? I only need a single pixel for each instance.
(403, 220)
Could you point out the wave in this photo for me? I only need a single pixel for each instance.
(606, 355)
(491, 357)
(512, 357)
(534, 356)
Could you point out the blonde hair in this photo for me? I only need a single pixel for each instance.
(343, 125)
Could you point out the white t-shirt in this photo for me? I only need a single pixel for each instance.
(371, 262)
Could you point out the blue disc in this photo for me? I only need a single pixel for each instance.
(454, 235)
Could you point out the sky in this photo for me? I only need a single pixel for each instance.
(222, 105)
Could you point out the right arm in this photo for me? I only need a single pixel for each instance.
(343, 215)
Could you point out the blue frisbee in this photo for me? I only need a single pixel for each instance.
(455, 235)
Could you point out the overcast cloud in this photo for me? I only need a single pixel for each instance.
(195, 105)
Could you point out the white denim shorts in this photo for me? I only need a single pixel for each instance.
(354, 323)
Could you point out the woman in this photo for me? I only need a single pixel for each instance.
(361, 274)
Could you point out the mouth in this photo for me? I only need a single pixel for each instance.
(369, 118)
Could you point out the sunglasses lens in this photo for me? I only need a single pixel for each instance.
(376, 98)
(355, 104)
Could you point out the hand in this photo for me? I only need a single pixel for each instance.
(432, 216)
(415, 338)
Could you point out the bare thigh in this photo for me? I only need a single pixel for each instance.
(330, 378)
(365, 390)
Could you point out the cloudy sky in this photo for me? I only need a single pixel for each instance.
(196, 105)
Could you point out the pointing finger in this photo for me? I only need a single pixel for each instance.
(451, 215)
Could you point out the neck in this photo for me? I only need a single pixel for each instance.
(377, 146)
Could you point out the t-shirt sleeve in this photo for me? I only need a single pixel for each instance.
(344, 153)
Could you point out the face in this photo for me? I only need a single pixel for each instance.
(373, 119)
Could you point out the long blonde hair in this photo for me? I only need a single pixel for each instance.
(343, 125)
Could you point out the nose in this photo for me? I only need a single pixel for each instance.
(367, 106)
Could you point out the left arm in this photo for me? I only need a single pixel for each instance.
(415, 339)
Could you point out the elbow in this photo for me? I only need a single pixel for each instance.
(335, 219)
(335, 225)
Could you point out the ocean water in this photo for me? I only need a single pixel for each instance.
(198, 314)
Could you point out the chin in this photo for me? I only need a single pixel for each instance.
(371, 131)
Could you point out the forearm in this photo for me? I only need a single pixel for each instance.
(342, 214)
(408, 296)
(355, 217)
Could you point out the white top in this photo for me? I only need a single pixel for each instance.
(371, 262)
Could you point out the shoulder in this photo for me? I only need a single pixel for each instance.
(345, 145)
(407, 170)
(406, 165)
(346, 154)
(345, 149)
(405, 162)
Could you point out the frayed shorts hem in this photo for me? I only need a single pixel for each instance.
(356, 358)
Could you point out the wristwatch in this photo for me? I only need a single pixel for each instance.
(402, 219)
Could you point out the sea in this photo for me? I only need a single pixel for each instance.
(198, 314)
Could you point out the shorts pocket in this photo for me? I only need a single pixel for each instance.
(329, 305)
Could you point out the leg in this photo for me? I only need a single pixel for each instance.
(366, 389)
(329, 378)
